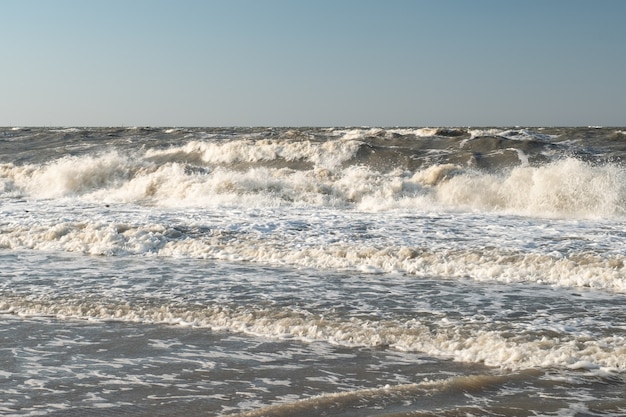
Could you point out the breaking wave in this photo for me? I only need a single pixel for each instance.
(328, 174)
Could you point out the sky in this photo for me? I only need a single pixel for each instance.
(313, 63)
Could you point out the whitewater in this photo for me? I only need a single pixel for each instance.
(313, 271)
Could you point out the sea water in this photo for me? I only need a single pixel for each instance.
(310, 271)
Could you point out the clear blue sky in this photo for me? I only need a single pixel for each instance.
(313, 63)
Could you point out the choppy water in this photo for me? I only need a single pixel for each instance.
(312, 271)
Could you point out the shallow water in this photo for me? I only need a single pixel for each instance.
(168, 337)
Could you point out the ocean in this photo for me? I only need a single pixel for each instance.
(313, 271)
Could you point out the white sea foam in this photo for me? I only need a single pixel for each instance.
(464, 344)
(66, 130)
(566, 188)
(515, 134)
(591, 257)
